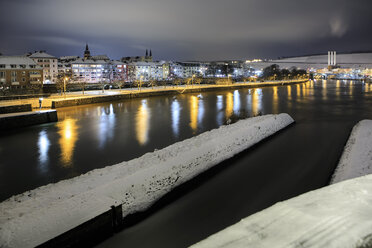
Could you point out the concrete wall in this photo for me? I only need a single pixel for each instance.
(16, 120)
(15, 108)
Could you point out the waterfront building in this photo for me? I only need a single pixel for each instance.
(49, 63)
(18, 72)
(91, 71)
(175, 70)
(119, 71)
(191, 69)
(149, 71)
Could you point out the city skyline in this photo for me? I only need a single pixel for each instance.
(209, 30)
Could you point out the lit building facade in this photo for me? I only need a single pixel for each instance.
(18, 72)
(49, 64)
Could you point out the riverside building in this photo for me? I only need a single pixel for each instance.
(18, 72)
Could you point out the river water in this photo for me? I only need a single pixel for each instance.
(299, 159)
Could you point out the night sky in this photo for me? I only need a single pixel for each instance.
(186, 29)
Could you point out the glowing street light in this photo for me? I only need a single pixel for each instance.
(64, 85)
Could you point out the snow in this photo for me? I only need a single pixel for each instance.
(356, 159)
(31, 218)
(339, 215)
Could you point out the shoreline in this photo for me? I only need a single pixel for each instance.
(130, 94)
(91, 97)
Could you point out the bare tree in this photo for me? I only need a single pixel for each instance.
(82, 85)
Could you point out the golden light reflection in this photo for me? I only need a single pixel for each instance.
(275, 99)
(298, 90)
(194, 107)
(338, 88)
(351, 89)
(142, 123)
(256, 101)
(304, 90)
(289, 90)
(324, 91)
(229, 104)
(68, 131)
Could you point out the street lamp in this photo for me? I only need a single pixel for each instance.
(64, 85)
(192, 80)
(139, 88)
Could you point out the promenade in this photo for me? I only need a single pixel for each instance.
(96, 96)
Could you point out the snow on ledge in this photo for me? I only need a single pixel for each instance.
(339, 215)
(36, 216)
(356, 159)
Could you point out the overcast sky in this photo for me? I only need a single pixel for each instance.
(186, 29)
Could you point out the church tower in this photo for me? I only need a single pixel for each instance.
(86, 52)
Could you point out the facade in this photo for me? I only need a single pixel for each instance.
(191, 69)
(17, 72)
(119, 71)
(90, 71)
(49, 64)
(175, 70)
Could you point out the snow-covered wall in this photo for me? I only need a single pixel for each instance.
(356, 159)
(36, 216)
(336, 216)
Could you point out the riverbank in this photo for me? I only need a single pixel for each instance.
(89, 97)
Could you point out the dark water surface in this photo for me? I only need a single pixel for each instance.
(299, 159)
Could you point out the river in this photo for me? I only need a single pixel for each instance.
(299, 159)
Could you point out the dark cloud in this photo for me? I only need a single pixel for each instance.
(186, 29)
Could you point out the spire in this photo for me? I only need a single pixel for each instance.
(150, 53)
(86, 52)
(147, 53)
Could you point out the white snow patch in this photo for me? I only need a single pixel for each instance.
(339, 215)
(36, 216)
(356, 159)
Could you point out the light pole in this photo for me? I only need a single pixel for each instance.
(192, 80)
(140, 82)
(64, 86)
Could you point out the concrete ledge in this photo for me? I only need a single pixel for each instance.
(23, 119)
(167, 91)
(15, 108)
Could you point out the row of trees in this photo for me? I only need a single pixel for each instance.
(273, 72)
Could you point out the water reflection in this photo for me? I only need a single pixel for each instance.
(219, 105)
(43, 145)
(229, 105)
(194, 106)
(200, 110)
(324, 91)
(106, 125)
(236, 102)
(256, 101)
(142, 123)
(275, 99)
(351, 89)
(289, 91)
(176, 112)
(68, 131)
(338, 89)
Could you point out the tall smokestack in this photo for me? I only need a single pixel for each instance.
(329, 58)
(334, 58)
